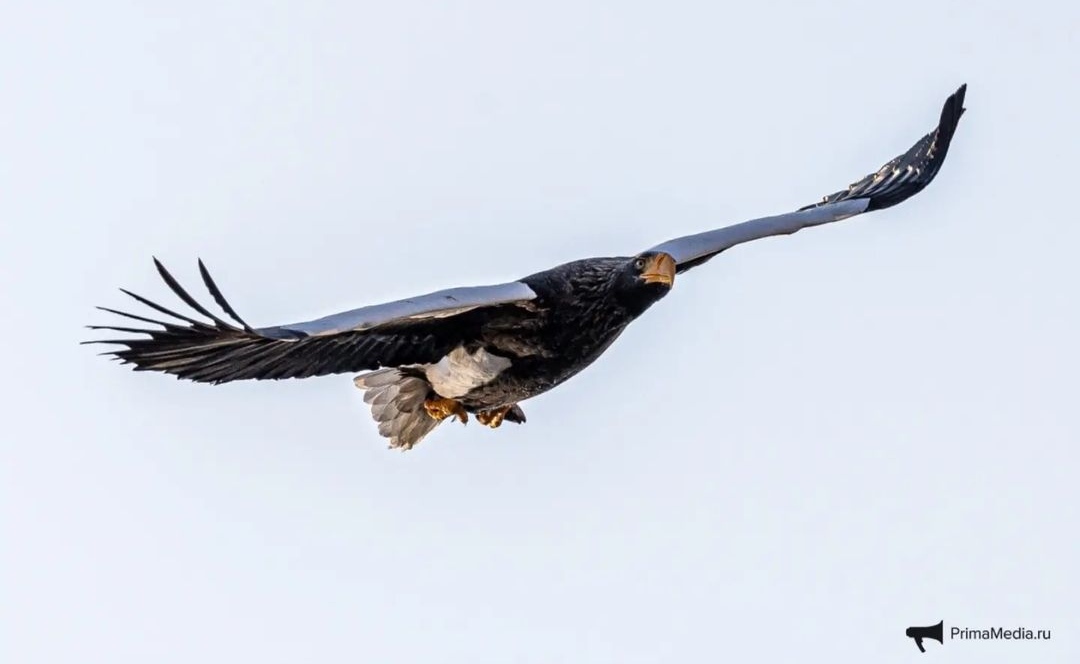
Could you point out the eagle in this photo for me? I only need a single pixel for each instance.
(480, 350)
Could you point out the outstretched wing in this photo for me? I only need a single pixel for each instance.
(895, 182)
(417, 330)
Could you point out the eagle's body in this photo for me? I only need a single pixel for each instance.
(483, 350)
(510, 354)
(580, 309)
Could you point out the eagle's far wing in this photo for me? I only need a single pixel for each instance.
(415, 330)
(899, 179)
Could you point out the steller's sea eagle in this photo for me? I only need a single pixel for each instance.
(483, 349)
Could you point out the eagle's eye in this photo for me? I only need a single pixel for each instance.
(639, 264)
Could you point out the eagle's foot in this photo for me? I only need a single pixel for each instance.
(494, 417)
(439, 409)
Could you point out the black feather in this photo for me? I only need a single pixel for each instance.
(908, 174)
(220, 352)
(219, 298)
(183, 294)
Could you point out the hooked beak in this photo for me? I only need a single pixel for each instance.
(659, 270)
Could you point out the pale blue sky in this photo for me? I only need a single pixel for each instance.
(812, 443)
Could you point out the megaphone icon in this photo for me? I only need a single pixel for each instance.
(935, 632)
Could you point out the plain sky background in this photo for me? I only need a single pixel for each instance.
(812, 443)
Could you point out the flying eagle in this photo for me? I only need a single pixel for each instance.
(485, 349)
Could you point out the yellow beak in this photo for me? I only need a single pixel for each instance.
(659, 270)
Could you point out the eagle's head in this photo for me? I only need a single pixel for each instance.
(643, 279)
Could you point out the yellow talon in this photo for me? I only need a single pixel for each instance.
(493, 418)
(440, 409)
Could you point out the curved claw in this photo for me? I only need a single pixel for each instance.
(440, 409)
(494, 417)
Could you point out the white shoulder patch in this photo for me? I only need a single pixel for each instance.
(459, 372)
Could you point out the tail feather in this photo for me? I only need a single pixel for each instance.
(397, 402)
